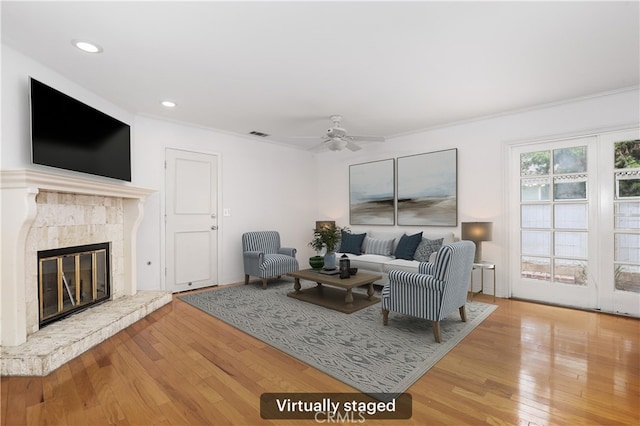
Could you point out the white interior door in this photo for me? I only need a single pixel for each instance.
(191, 220)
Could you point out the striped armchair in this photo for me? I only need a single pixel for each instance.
(264, 258)
(437, 289)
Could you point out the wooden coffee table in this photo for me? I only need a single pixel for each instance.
(335, 298)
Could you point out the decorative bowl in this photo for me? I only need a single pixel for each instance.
(316, 262)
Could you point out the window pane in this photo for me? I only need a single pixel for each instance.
(536, 216)
(627, 161)
(565, 189)
(570, 160)
(627, 248)
(572, 216)
(627, 278)
(534, 189)
(536, 242)
(534, 163)
(573, 244)
(627, 154)
(537, 268)
(627, 215)
(627, 188)
(569, 271)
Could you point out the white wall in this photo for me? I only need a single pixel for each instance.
(15, 147)
(268, 186)
(482, 147)
(265, 187)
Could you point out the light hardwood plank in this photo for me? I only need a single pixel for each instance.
(527, 364)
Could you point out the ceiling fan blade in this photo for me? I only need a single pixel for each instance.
(353, 146)
(303, 137)
(367, 138)
(320, 147)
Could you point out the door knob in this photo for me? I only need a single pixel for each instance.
(215, 228)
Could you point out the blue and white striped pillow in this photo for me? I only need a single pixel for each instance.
(375, 246)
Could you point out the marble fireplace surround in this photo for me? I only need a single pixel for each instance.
(42, 211)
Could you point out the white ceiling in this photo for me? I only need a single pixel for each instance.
(283, 68)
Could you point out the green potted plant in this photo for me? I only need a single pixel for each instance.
(317, 261)
(326, 237)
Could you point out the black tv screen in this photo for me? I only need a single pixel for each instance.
(68, 134)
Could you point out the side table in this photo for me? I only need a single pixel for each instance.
(482, 266)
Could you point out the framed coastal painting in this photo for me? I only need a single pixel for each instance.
(428, 189)
(372, 193)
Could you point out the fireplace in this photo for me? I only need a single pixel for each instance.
(71, 279)
(43, 211)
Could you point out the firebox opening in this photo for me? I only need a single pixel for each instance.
(71, 279)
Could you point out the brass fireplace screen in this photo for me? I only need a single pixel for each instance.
(72, 279)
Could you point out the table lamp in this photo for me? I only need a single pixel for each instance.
(477, 232)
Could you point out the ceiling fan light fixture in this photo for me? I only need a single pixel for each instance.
(336, 144)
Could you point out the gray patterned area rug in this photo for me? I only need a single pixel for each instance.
(353, 348)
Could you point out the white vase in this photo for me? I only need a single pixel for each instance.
(330, 260)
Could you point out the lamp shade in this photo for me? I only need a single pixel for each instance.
(477, 231)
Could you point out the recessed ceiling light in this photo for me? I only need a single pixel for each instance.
(168, 104)
(86, 46)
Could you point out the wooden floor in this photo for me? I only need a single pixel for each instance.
(525, 364)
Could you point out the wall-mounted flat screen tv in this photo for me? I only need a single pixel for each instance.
(70, 135)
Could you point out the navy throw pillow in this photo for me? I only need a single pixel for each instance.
(407, 246)
(351, 243)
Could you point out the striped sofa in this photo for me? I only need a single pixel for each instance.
(264, 258)
(438, 288)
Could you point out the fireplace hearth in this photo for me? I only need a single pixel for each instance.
(72, 279)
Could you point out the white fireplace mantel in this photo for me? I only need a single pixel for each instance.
(18, 210)
(11, 179)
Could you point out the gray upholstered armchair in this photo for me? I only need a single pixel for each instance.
(264, 258)
(437, 289)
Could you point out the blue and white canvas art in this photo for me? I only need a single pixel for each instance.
(372, 193)
(428, 189)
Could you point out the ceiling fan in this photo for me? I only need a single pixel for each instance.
(337, 139)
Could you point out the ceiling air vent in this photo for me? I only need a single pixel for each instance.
(262, 135)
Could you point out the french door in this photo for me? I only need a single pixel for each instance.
(622, 293)
(575, 235)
